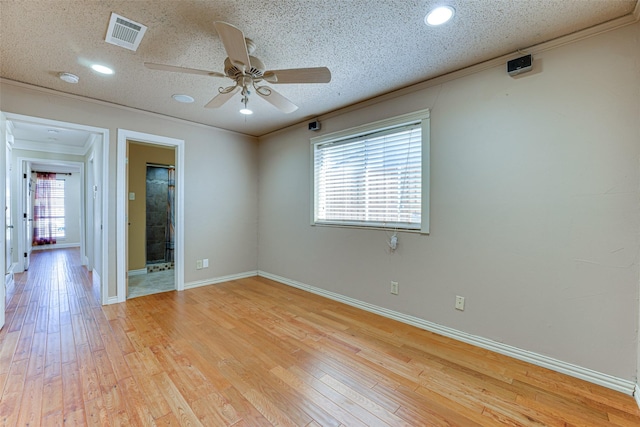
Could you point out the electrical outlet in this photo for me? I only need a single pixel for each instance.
(205, 263)
(459, 303)
(394, 287)
(199, 264)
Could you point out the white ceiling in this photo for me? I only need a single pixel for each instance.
(50, 138)
(371, 47)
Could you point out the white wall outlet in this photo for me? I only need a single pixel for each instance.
(205, 263)
(459, 303)
(199, 264)
(394, 288)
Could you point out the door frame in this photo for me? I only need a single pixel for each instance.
(3, 256)
(24, 165)
(103, 189)
(121, 200)
(9, 269)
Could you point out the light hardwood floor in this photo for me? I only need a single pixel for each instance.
(254, 352)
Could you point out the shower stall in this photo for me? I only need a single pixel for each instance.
(160, 220)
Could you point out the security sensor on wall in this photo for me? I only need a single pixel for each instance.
(314, 125)
(520, 65)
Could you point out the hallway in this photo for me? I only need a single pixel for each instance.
(53, 322)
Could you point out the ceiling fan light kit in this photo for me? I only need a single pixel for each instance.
(248, 72)
(245, 98)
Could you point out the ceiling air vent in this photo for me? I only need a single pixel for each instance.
(124, 32)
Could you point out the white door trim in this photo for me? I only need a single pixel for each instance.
(3, 160)
(103, 186)
(22, 161)
(121, 200)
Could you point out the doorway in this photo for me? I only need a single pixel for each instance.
(52, 141)
(151, 219)
(61, 203)
(127, 184)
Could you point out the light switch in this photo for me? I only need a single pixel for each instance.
(132, 196)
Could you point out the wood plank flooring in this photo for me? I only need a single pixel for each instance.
(254, 352)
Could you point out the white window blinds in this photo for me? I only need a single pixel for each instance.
(373, 179)
(49, 209)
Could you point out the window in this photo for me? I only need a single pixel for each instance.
(374, 175)
(49, 209)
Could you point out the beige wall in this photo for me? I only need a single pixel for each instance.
(535, 213)
(220, 178)
(535, 216)
(139, 156)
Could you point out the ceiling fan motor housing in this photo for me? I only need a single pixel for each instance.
(256, 69)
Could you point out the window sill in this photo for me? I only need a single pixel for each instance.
(370, 227)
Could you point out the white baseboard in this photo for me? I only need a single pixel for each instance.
(213, 281)
(636, 392)
(8, 280)
(138, 272)
(8, 277)
(113, 300)
(55, 246)
(605, 380)
(95, 274)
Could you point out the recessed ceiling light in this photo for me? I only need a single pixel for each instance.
(439, 16)
(101, 69)
(185, 99)
(69, 78)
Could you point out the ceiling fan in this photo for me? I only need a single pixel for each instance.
(249, 72)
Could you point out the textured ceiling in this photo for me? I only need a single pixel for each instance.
(371, 47)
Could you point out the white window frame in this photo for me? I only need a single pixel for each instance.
(423, 117)
(52, 219)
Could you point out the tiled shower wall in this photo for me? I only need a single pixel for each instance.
(157, 194)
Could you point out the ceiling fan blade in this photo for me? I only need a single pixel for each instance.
(163, 67)
(277, 100)
(221, 98)
(234, 44)
(299, 75)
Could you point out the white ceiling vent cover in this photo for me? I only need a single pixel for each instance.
(124, 32)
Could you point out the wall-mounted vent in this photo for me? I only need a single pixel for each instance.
(124, 32)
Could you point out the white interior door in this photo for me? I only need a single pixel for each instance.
(27, 213)
(97, 217)
(8, 217)
(90, 206)
(6, 261)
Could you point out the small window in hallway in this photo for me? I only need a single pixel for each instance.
(48, 209)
